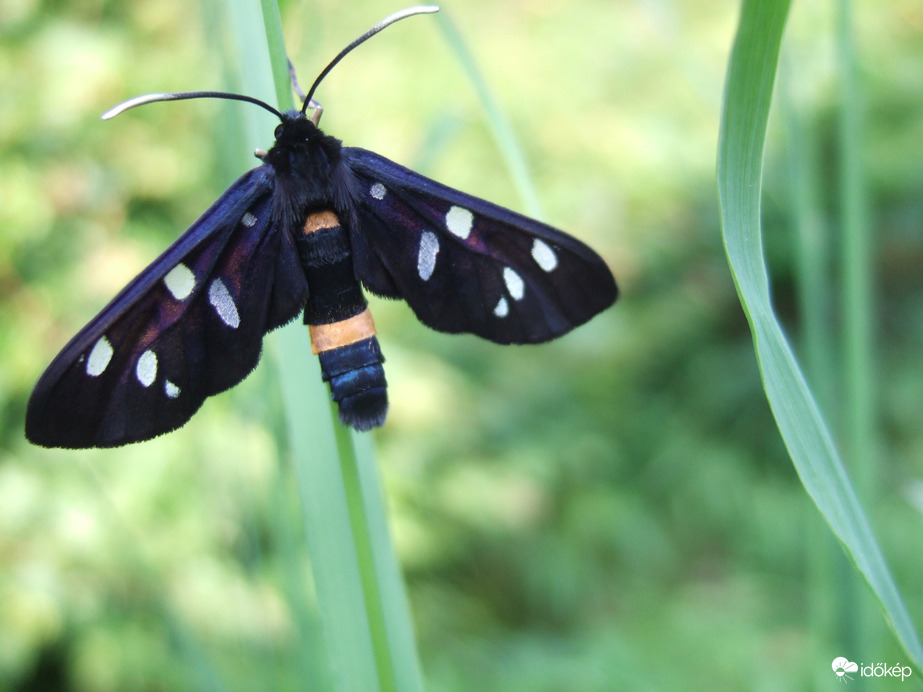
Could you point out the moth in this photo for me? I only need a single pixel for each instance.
(304, 232)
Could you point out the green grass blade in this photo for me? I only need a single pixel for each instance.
(368, 635)
(830, 575)
(327, 523)
(496, 120)
(394, 635)
(747, 98)
(857, 266)
(857, 291)
(278, 58)
(812, 251)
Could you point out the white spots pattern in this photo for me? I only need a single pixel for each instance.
(99, 358)
(513, 283)
(459, 221)
(171, 389)
(426, 259)
(503, 308)
(223, 303)
(180, 281)
(146, 370)
(378, 191)
(544, 256)
(248, 220)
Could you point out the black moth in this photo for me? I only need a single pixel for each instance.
(300, 233)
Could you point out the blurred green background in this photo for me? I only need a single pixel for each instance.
(612, 510)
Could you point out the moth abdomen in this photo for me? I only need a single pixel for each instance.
(341, 326)
(357, 382)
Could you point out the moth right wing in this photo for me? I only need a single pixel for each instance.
(464, 264)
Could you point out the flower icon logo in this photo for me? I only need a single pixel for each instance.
(842, 666)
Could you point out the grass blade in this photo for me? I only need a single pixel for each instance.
(747, 98)
(368, 634)
(499, 126)
(831, 576)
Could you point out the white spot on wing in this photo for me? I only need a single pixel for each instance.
(544, 256)
(378, 191)
(99, 357)
(221, 300)
(146, 370)
(171, 389)
(513, 283)
(180, 281)
(426, 259)
(503, 308)
(248, 220)
(459, 221)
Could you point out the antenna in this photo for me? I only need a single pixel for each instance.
(182, 96)
(384, 23)
(308, 101)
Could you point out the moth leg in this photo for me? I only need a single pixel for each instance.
(317, 108)
(316, 113)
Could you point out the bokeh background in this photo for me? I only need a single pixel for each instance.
(613, 510)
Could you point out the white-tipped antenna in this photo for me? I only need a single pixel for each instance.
(154, 98)
(384, 23)
(308, 101)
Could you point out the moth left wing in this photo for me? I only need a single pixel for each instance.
(466, 265)
(189, 326)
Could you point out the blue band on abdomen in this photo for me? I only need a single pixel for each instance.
(357, 382)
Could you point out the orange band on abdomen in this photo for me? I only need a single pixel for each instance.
(326, 337)
(320, 220)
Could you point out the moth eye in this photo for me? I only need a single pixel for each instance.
(278, 131)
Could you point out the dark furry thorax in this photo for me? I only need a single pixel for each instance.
(304, 161)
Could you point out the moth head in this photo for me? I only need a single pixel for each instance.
(295, 128)
(300, 145)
